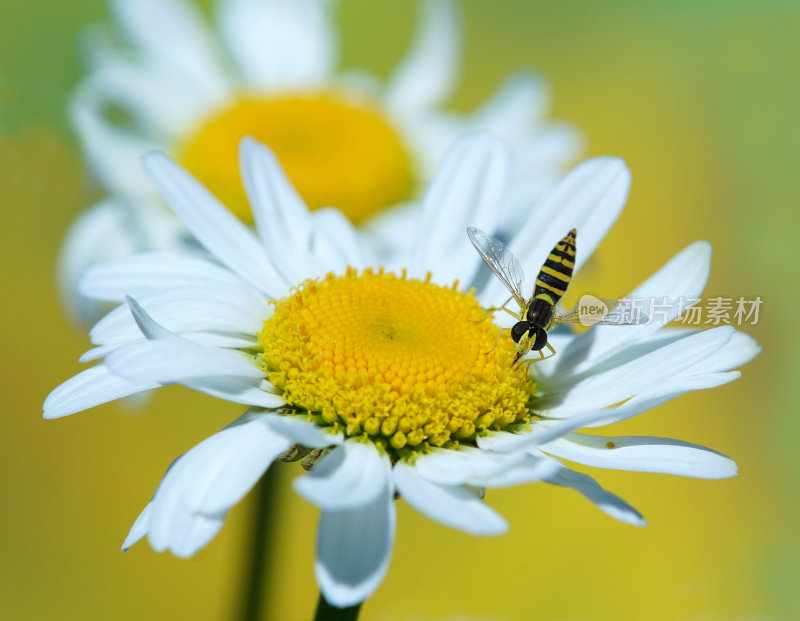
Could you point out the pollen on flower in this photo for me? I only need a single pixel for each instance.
(401, 362)
(337, 151)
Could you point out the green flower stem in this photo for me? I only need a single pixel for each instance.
(326, 612)
(259, 546)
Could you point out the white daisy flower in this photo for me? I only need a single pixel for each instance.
(344, 137)
(390, 383)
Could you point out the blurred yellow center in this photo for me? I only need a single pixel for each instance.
(337, 152)
(404, 362)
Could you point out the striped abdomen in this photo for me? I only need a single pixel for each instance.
(553, 279)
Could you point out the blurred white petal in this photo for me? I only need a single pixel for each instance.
(280, 44)
(427, 74)
(353, 550)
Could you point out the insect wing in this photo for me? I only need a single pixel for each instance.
(605, 312)
(501, 261)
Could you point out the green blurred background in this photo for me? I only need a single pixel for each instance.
(700, 99)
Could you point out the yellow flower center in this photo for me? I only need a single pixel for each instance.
(405, 363)
(337, 152)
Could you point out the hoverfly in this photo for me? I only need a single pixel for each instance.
(538, 314)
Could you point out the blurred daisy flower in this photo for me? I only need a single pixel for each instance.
(344, 138)
(386, 383)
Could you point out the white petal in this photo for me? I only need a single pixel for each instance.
(281, 217)
(531, 468)
(450, 505)
(643, 454)
(217, 372)
(358, 82)
(389, 236)
(549, 429)
(335, 244)
(96, 235)
(457, 467)
(225, 237)
(222, 339)
(426, 76)
(563, 369)
(516, 105)
(685, 275)
(172, 33)
(177, 361)
(430, 134)
(90, 388)
(171, 526)
(150, 328)
(650, 399)
(164, 100)
(148, 272)
(237, 389)
(153, 330)
(543, 154)
(192, 532)
(160, 101)
(229, 463)
(349, 477)
(740, 350)
(353, 550)
(139, 528)
(209, 339)
(279, 43)
(112, 152)
(605, 501)
(201, 486)
(468, 188)
(303, 432)
(218, 308)
(589, 198)
(110, 230)
(647, 372)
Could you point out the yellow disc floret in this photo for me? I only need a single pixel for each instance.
(337, 151)
(405, 363)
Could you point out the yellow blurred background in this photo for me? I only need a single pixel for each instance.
(699, 98)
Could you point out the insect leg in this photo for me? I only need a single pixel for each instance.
(552, 351)
(503, 307)
(494, 309)
(531, 361)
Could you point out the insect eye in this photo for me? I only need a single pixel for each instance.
(541, 340)
(519, 330)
